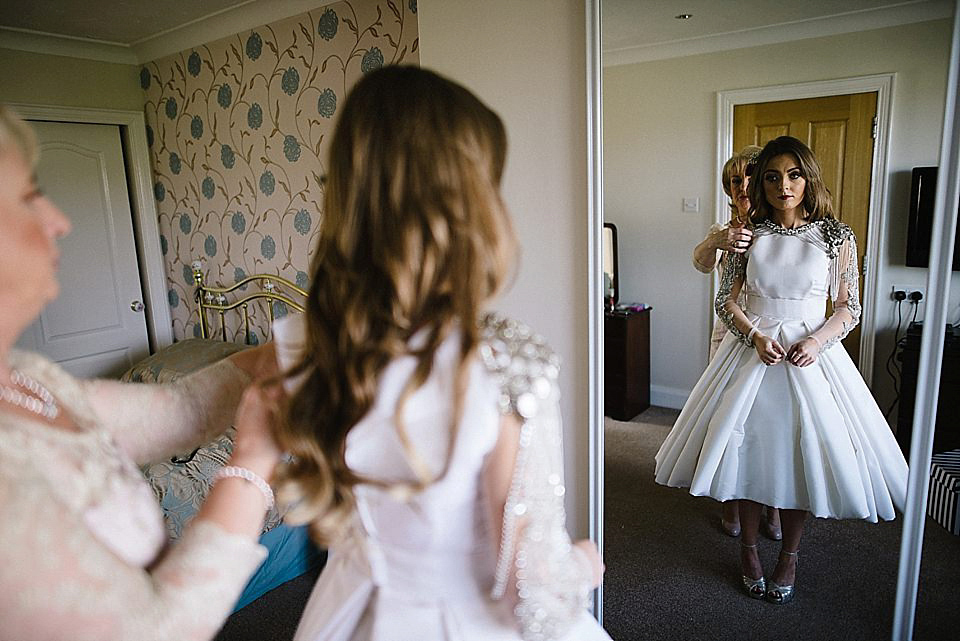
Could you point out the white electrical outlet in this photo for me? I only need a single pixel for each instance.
(908, 290)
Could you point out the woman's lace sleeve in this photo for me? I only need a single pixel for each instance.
(538, 568)
(152, 422)
(59, 582)
(715, 256)
(726, 306)
(844, 284)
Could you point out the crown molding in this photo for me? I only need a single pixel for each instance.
(68, 46)
(220, 24)
(865, 20)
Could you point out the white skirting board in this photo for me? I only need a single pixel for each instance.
(672, 397)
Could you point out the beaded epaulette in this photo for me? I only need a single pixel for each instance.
(526, 367)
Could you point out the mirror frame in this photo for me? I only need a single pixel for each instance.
(931, 348)
(939, 275)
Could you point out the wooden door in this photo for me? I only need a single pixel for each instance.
(97, 326)
(840, 130)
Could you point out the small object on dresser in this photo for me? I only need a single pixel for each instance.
(942, 502)
(632, 307)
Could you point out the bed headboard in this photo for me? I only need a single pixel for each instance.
(220, 300)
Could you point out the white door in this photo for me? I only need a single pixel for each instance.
(97, 326)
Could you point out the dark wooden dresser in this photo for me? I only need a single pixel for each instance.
(626, 357)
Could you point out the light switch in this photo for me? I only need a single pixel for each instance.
(691, 205)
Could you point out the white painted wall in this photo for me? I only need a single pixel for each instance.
(527, 60)
(660, 146)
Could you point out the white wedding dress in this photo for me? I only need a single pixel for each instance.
(430, 567)
(808, 438)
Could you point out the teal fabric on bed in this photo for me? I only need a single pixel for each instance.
(290, 554)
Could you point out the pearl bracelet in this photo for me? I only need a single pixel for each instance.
(753, 330)
(233, 471)
(817, 341)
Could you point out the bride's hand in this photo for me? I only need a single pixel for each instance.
(768, 349)
(804, 352)
(592, 556)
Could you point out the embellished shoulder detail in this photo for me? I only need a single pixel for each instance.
(545, 578)
(835, 233)
(525, 366)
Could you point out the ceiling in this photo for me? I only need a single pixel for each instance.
(130, 22)
(637, 30)
(632, 30)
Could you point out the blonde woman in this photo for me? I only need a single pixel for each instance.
(734, 237)
(425, 431)
(83, 554)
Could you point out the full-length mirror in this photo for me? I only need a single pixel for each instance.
(685, 89)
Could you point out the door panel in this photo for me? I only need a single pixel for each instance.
(91, 329)
(839, 130)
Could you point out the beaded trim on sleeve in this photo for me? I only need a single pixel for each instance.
(551, 588)
(527, 370)
(850, 275)
(736, 265)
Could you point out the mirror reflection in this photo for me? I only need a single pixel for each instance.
(666, 143)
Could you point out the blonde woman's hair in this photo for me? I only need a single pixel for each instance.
(415, 239)
(16, 135)
(817, 202)
(739, 163)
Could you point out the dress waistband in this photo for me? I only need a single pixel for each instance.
(787, 308)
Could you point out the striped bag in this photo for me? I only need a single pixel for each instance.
(942, 503)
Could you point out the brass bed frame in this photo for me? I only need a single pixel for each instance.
(215, 299)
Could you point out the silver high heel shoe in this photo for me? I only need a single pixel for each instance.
(756, 588)
(782, 594)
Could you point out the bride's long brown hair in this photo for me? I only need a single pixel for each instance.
(415, 239)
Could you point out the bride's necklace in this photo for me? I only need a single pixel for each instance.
(41, 402)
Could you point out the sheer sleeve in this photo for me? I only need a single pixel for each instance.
(539, 571)
(151, 422)
(844, 283)
(705, 260)
(57, 581)
(726, 306)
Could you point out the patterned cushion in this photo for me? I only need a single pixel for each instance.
(181, 358)
(182, 483)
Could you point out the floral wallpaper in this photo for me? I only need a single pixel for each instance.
(237, 131)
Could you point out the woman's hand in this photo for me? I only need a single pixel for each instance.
(804, 352)
(592, 556)
(258, 414)
(257, 362)
(769, 350)
(734, 238)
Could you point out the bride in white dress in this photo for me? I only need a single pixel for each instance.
(781, 416)
(424, 432)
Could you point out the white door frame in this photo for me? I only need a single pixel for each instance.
(146, 232)
(877, 227)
